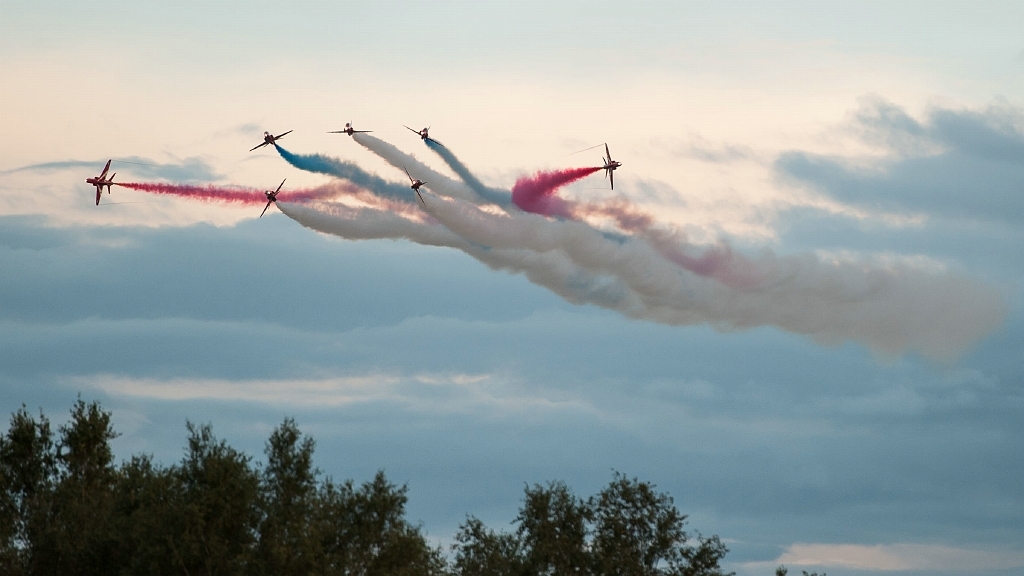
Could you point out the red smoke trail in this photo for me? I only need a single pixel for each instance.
(537, 193)
(718, 262)
(627, 216)
(237, 194)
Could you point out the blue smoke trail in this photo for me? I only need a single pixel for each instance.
(502, 198)
(321, 164)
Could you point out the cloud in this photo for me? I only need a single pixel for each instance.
(956, 391)
(700, 148)
(897, 557)
(954, 164)
(889, 303)
(422, 393)
(186, 170)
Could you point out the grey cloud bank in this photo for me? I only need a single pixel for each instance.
(955, 164)
(757, 433)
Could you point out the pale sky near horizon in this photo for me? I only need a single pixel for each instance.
(866, 131)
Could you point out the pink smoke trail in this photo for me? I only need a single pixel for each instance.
(537, 193)
(240, 195)
(718, 262)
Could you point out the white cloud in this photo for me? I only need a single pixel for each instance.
(423, 393)
(895, 557)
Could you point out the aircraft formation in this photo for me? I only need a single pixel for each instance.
(605, 251)
(609, 165)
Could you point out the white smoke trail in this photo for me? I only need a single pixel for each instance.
(892, 308)
(553, 270)
(436, 181)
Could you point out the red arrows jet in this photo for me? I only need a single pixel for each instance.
(349, 130)
(609, 166)
(269, 138)
(100, 181)
(425, 134)
(416, 183)
(271, 196)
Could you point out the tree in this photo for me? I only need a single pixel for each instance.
(218, 502)
(80, 535)
(365, 533)
(482, 552)
(628, 528)
(151, 512)
(638, 531)
(553, 531)
(27, 472)
(288, 542)
(66, 509)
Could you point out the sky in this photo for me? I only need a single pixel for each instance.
(857, 409)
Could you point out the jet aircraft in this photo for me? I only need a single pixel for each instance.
(268, 138)
(610, 166)
(349, 130)
(425, 134)
(271, 197)
(100, 181)
(416, 183)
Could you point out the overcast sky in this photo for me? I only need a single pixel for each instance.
(876, 136)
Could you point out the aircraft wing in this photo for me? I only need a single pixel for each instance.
(104, 173)
(99, 192)
(611, 177)
(436, 142)
(269, 202)
(279, 136)
(258, 146)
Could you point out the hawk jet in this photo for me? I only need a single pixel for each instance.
(100, 181)
(269, 138)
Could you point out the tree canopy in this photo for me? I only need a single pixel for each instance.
(628, 529)
(67, 508)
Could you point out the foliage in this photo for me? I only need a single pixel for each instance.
(627, 529)
(66, 508)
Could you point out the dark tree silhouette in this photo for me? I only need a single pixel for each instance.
(65, 508)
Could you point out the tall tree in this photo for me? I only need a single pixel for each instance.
(218, 501)
(553, 530)
(288, 542)
(80, 536)
(482, 552)
(637, 529)
(365, 532)
(151, 513)
(639, 532)
(27, 475)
